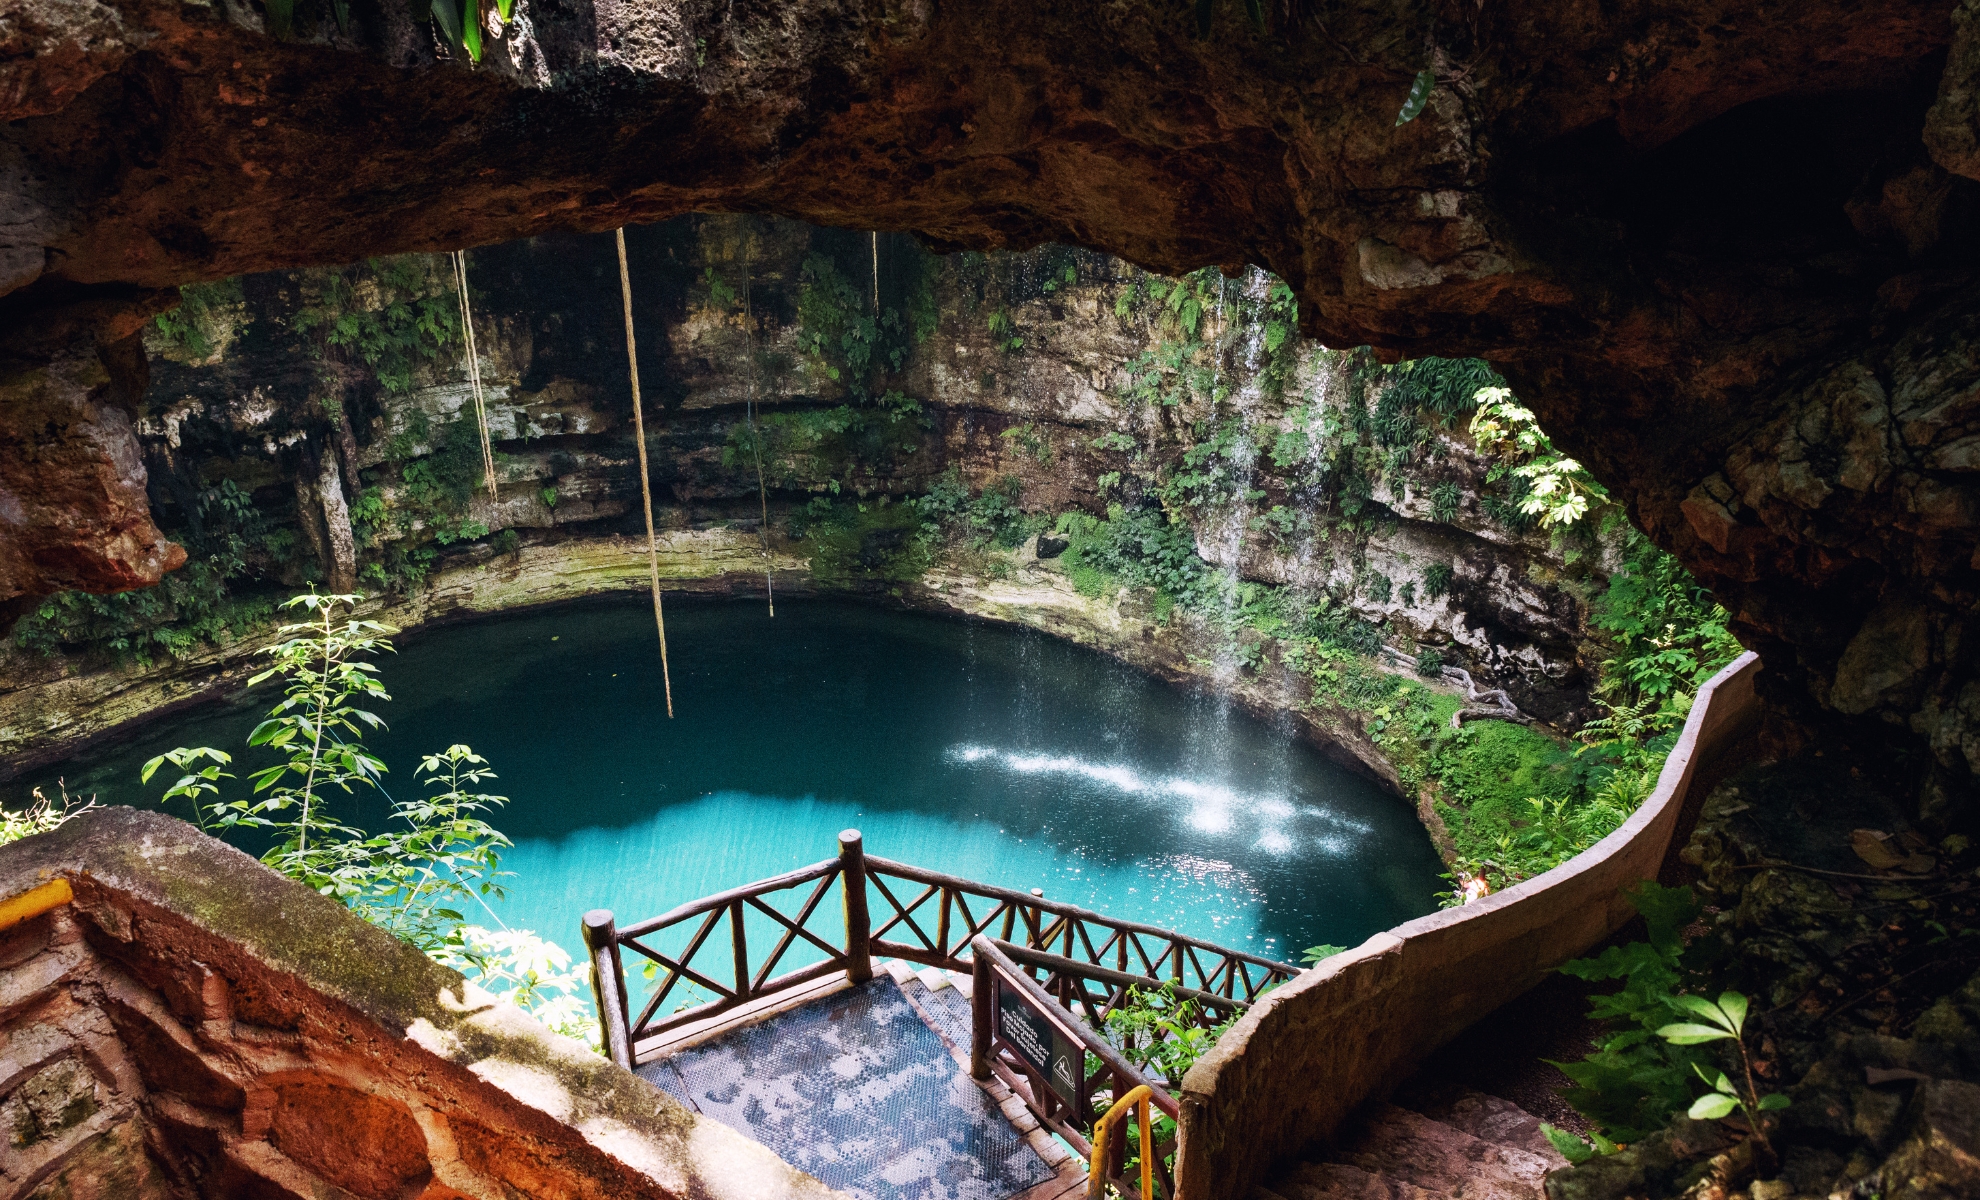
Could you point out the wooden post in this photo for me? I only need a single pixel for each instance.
(608, 984)
(859, 927)
(742, 951)
(982, 1000)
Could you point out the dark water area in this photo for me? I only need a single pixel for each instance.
(1001, 755)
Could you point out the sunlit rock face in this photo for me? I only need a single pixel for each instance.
(1724, 249)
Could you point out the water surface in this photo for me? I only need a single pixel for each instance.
(997, 754)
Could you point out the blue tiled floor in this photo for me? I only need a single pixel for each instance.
(858, 1091)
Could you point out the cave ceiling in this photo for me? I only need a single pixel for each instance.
(1725, 249)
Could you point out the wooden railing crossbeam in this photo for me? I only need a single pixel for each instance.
(794, 930)
(720, 900)
(675, 970)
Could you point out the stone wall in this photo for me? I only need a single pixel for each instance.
(256, 395)
(178, 1021)
(1303, 1058)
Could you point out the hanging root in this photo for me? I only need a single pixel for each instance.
(756, 449)
(474, 374)
(645, 478)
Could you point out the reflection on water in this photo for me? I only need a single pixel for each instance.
(1000, 755)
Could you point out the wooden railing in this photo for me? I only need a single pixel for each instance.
(942, 921)
(1068, 1108)
(1088, 961)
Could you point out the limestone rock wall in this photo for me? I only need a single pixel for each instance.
(260, 390)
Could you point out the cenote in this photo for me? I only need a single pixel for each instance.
(1003, 755)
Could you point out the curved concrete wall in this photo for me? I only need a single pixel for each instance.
(1355, 1025)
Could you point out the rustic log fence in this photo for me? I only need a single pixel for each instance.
(1088, 960)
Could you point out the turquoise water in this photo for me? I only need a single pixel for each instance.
(1000, 755)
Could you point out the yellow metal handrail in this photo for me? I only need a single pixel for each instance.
(1140, 1100)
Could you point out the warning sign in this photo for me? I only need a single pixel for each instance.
(1039, 1041)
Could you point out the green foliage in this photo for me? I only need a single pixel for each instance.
(1723, 1020)
(1430, 662)
(459, 22)
(1444, 501)
(42, 815)
(228, 543)
(1518, 803)
(1165, 1037)
(1138, 547)
(1556, 490)
(1317, 954)
(1642, 1073)
(437, 852)
(436, 490)
(522, 969)
(831, 448)
(863, 539)
(721, 296)
(416, 319)
(1419, 95)
(1027, 440)
(1162, 1034)
(1180, 366)
(840, 334)
(368, 513)
(1437, 580)
(1003, 332)
(549, 495)
(1634, 1082)
(189, 328)
(1671, 635)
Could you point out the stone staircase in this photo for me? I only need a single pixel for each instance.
(1472, 1147)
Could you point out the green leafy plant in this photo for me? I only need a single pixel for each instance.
(1445, 499)
(1437, 580)
(1419, 95)
(1027, 439)
(1556, 490)
(437, 854)
(1315, 954)
(229, 546)
(535, 975)
(391, 314)
(1724, 1020)
(191, 327)
(1165, 1037)
(437, 851)
(1636, 1080)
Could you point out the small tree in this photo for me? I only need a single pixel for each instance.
(437, 851)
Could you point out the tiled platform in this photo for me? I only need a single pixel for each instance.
(859, 1089)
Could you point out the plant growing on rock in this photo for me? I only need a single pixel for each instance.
(1724, 1020)
(1635, 1080)
(438, 850)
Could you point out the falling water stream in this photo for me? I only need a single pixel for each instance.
(1005, 756)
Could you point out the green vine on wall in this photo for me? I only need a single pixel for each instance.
(394, 315)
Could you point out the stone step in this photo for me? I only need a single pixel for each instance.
(1493, 1119)
(1337, 1181)
(1444, 1159)
(1483, 1148)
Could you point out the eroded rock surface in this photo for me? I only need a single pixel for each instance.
(179, 1021)
(1681, 229)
